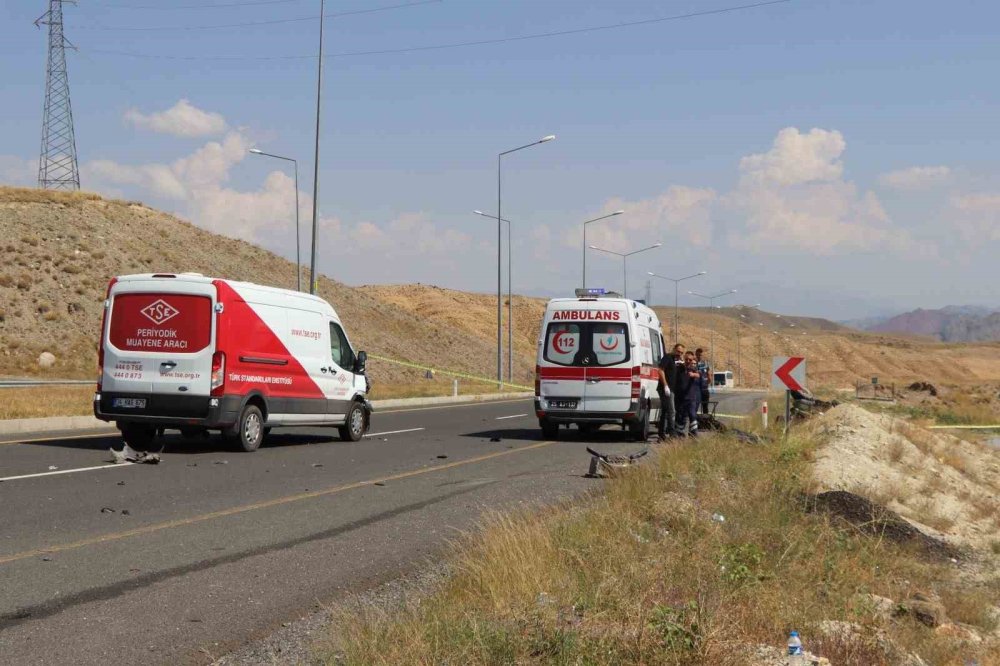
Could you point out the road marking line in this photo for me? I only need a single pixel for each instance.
(278, 501)
(63, 471)
(393, 432)
(114, 433)
(512, 416)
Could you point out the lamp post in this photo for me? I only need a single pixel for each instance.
(711, 304)
(319, 98)
(510, 293)
(510, 311)
(625, 257)
(596, 219)
(298, 245)
(677, 282)
(760, 357)
(739, 357)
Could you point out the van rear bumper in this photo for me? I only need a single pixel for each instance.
(171, 410)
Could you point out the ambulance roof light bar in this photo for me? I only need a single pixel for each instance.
(596, 292)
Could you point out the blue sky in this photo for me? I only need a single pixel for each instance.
(829, 158)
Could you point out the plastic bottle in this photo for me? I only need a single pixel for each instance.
(795, 655)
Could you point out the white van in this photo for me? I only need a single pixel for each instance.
(597, 364)
(198, 353)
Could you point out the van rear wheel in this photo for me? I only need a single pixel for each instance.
(639, 429)
(249, 429)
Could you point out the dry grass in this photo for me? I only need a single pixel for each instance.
(37, 402)
(641, 574)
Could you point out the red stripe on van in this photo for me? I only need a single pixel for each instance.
(242, 334)
(568, 373)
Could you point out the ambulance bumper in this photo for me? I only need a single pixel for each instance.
(575, 416)
(170, 410)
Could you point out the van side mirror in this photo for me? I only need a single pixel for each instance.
(360, 363)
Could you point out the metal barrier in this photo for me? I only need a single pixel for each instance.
(868, 391)
(25, 383)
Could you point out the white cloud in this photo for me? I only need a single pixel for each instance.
(976, 216)
(794, 197)
(182, 119)
(18, 171)
(797, 158)
(914, 177)
(679, 214)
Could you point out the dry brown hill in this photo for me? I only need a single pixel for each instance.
(59, 250)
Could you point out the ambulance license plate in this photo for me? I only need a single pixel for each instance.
(562, 404)
(129, 403)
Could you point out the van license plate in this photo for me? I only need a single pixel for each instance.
(129, 403)
(562, 404)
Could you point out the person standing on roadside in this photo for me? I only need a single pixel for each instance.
(673, 369)
(667, 425)
(690, 386)
(706, 378)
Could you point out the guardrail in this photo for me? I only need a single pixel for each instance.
(24, 383)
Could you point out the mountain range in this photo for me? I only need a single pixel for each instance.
(953, 323)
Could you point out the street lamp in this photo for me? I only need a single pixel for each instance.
(739, 357)
(596, 219)
(677, 282)
(510, 293)
(313, 281)
(510, 311)
(625, 257)
(298, 260)
(711, 304)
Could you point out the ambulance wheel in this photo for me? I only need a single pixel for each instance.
(138, 436)
(550, 430)
(639, 429)
(354, 426)
(249, 430)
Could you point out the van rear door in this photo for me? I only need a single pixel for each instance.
(160, 338)
(561, 370)
(609, 372)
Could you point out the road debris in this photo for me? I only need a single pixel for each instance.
(128, 454)
(607, 464)
(221, 462)
(107, 509)
(52, 467)
(317, 464)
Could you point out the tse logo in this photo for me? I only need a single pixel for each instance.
(160, 311)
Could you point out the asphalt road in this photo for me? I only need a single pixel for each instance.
(183, 561)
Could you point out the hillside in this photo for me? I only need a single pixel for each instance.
(949, 324)
(60, 250)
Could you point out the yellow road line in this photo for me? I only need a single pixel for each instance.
(181, 522)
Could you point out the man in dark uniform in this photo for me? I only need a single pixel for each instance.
(667, 424)
(690, 388)
(706, 378)
(673, 367)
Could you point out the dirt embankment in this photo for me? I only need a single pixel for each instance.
(60, 249)
(947, 487)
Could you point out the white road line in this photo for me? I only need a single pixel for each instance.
(63, 471)
(393, 432)
(512, 416)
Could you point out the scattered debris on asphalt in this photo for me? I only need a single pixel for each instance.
(317, 464)
(221, 462)
(52, 467)
(442, 457)
(495, 439)
(120, 483)
(128, 454)
(379, 483)
(607, 464)
(107, 509)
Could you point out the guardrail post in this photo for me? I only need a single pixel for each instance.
(454, 388)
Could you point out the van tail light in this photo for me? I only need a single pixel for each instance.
(636, 382)
(218, 372)
(100, 367)
(538, 380)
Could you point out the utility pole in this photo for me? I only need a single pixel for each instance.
(57, 164)
(313, 279)
(649, 292)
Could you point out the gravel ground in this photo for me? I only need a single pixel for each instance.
(298, 643)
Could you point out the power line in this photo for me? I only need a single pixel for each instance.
(454, 45)
(199, 6)
(251, 23)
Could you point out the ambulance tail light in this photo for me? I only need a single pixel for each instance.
(218, 372)
(538, 380)
(100, 367)
(636, 382)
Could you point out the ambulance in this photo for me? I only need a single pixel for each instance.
(196, 353)
(597, 364)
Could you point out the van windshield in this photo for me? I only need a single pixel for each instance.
(586, 344)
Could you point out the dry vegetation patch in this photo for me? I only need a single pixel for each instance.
(647, 572)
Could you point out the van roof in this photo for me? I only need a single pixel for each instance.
(602, 302)
(198, 278)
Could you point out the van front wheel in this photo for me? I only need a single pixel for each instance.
(354, 426)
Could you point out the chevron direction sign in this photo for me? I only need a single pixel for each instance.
(788, 373)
